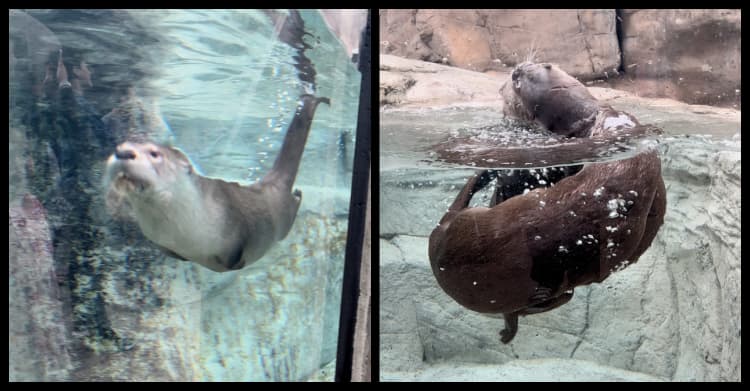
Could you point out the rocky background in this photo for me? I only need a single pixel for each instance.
(675, 315)
(688, 55)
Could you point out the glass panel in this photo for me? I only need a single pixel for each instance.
(98, 226)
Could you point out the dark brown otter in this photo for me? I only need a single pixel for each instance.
(546, 94)
(527, 252)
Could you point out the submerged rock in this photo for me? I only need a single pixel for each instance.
(38, 328)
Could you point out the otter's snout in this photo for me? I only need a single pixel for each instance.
(518, 70)
(125, 151)
(516, 74)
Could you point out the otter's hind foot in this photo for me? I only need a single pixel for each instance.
(62, 73)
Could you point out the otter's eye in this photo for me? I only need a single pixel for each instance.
(154, 154)
(548, 66)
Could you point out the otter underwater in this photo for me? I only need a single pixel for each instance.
(220, 225)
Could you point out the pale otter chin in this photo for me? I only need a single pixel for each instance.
(220, 225)
(139, 176)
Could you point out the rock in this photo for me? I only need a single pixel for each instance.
(583, 42)
(404, 193)
(688, 55)
(33, 37)
(723, 225)
(43, 354)
(401, 261)
(393, 86)
(674, 117)
(168, 311)
(292, 289)
(399, 35)
(409, 82)
(455, 38)
(549, 370)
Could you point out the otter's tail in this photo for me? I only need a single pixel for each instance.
(285, 167)
(477, 182)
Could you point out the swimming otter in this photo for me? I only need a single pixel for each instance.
(527, 252)
(220, 225)
(544, 93)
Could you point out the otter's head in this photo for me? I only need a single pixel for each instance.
(536, 84)
(551, 96)
(147, 169)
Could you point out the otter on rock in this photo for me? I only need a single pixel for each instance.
(218, 224)
(527, 251)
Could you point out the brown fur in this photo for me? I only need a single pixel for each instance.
(527, 253)
(218, 224)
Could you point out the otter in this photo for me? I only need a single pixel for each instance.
(218, 224)
(527, 251)
(545, 94)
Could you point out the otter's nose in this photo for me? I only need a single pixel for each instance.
(518, 70)
(125, 151)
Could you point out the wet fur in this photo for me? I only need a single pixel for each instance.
(218, 224)
(507, 258)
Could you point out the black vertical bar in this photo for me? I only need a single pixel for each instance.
(357, 211)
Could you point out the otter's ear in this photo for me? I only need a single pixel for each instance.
(182, 159)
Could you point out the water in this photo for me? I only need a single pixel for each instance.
(91, 298)
(648, 320)
(476, 138)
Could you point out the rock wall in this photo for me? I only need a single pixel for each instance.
(409, 82)
(689, 55)
(480, 40)
(38, 342)
(543, 370)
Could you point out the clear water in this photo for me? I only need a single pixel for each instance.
(609, 327)
(90, 299)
